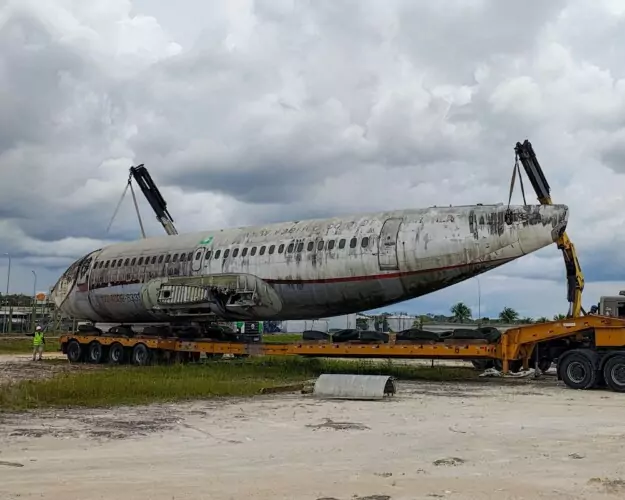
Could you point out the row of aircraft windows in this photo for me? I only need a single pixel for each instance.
(185, 257)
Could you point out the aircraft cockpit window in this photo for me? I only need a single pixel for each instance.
(353, 242)
(300, 246)
(253, 252)
(126, 262)
(244, 252)
(167, 258)
(175, 259)
(272, 249)
(160, 259)
(342, 244)
(198, 255)
(208, 254)
(107, 263)
(262, 250)
(365, 242)
(133, 261)
(226, 253)
(320, 245)
(154, 260)
(311, 245)
(101, 264)
(235, 252)
(281, 248)
(330, 244)
(140, 262)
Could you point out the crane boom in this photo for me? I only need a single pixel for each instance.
(155, 199)
(574, 276)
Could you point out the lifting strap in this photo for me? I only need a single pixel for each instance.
(515, 169)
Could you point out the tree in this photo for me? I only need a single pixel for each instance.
(362, 323)
(527, 321)
(542, 319)
(461, 312)
(508, 315)
(557, 317)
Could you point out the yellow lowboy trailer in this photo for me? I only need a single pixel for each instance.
(589, 350)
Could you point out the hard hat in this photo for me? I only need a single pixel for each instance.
(38, 328)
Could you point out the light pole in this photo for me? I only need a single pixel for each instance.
(479, 302)
(7, 310)
(34, 301)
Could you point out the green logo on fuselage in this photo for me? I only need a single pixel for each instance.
(206, 241)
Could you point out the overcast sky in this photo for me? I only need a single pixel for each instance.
(248, 112)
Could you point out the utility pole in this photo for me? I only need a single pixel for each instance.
(7, 313)
(34, 312)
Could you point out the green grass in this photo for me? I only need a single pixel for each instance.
(129, 385)
(282, 337)
(25, 345)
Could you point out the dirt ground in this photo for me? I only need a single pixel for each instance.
(519, 439)
(18, 367)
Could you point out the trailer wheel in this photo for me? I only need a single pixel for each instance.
(614, 373)
(140, 355)
(482, 364)
(74, 351)
(577, 371)
(116, 354)
(95, 352)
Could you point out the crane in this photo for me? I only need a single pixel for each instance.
(143, 178)
(574, 275)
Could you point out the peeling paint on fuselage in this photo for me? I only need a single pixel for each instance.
(433, 248)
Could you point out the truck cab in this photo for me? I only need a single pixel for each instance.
(613, 306)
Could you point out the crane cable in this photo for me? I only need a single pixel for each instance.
(515, 169)
(119, 204)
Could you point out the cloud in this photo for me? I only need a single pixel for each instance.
(258, 111)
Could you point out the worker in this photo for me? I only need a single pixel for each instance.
(38, 343)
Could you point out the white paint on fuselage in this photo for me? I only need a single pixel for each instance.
(435, 248)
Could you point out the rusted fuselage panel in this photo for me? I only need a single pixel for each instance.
(317, 268)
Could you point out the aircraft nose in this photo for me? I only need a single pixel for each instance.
(539, 225)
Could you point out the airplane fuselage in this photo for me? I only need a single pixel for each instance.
(301, 270)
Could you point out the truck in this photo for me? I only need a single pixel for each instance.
(588, 348)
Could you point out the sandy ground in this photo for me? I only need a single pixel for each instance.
(517, 440)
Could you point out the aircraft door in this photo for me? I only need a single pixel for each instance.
(387, 245)
(198, 259)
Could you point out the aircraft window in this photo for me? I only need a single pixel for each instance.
(290, 248)
(189, 256)
(262, 250)
(320, 245)
(175, 259)
(311, 245)
(236, 252)
(167, 258)
(281, 248)
(140, 261)
(208, 254)
(253, 252)
(226, 253)
(342, 243)
(272, 249)
(330, 244)
(160, 259)
(217, 254)
(183, 257)
(244, 252)
(365, 242)
(154, 259)
(353, 242)
(300, 246)
(107, 263)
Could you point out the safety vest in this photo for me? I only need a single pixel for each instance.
(38, 338)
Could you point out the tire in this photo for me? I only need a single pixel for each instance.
(140, 355)
(116, 354)
(577, 371)
(95, 352)
(74, 351)
(482, 364)
(614, 373)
